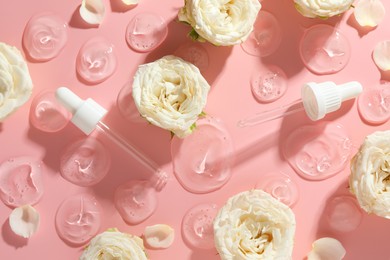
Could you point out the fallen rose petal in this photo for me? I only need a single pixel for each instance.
(159, 236)
(369, 12)
(92, 11)
(130, 2)
(326, 248)
(24, 221)
(381, 55)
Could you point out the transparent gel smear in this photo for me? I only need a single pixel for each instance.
(317, 152)
(374, 104)
(269, 84)
(266, 36)
(343, 213)
(85, 162)
(21, 181)
(78, 219)
(197, 226)
(96, 60)
(195, 54)
(46, 114)
(145, 32)
(136, 200)
(45, 35)
(126, 105)
(202, 160)
(280, 186)
(324, 49)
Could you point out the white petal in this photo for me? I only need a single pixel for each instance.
(326, 248)
(369, 12)
(159, 236)
(130, 2)
(92, 11)
(381, 55)
(24, 221)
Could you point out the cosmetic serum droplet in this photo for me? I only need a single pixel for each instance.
(266, 36)
(269, 84)
(145, 32)
(280, 186)
(195, 54)
(78, 219)
(21, 181)
(46, 114)
(96, 60)
(324, 49)
(374, 104)
(197, 226)
(135, 201)
(317, 152)
(202, 161)
(85, 162)
(45, 35)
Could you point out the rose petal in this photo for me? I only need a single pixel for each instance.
(92, 11)
(130, 2)
(369, 12)
(159, 236)
(24, 221)
(381, 55)
(326, 248)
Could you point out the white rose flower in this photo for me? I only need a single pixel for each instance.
(15, 81)
(322, 8)
(113, 244)
(220, 22)
(370, 174)
(170, 93)
(254, 225)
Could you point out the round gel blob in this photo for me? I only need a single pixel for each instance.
(47, 114)
(317, 152)
(195, 54)
(96, 60)
(197, 226)
(324, 49)
(44, 36)
(266, 36)
(126, 104)
(280, 186)
(145, 32)
(344, 213)
(135, 201)
(374, 104)
(78, 219)
(21, 181)
(269, 84)
(202, 161)
(85, 162)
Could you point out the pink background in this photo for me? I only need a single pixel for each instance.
(258, 147)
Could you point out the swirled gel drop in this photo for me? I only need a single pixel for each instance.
(197, 226)
(195, 54)
(21, 181)
(85, 162)
(126, 105)
(46, 114)
(78, 219)
(135, 201)
(317, 152)
(269, 84)
(145, 32)
(266, 36)
(343, 213)
(202, 160)
(44, 36)
(374, 104)
(280, 186)
(96, 60)
(324, 49)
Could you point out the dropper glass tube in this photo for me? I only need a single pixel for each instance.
(88, 115)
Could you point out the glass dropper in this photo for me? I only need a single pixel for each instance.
(317, 100)
(88, 115)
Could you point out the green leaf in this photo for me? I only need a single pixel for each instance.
(202, 114)
(193, 35)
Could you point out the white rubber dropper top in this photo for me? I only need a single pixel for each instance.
(86, 113)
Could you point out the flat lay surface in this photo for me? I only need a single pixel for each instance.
(249, 155)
